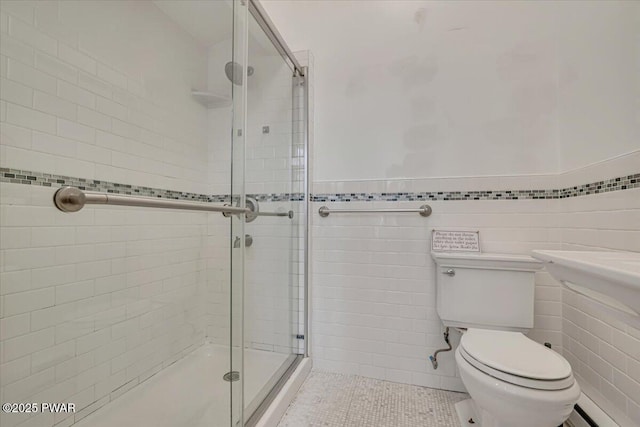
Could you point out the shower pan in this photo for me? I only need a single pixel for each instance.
(154, 236)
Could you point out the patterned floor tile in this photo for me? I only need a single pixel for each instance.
(336, 400)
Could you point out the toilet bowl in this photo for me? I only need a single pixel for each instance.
(514, 381)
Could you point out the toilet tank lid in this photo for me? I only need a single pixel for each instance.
(487, 260)
(515, 354)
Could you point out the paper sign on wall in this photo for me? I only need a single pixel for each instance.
(455, 241)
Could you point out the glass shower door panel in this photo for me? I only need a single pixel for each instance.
(271, 276)
(123, 311)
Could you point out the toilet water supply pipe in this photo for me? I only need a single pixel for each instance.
(434, 358)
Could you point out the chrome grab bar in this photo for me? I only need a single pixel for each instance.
(289, 214)
(251, 215)
(254, 210)
(424, 210)
(72, 199)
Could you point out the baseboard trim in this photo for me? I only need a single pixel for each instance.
(588, 414)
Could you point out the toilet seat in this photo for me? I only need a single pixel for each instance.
(514, 358)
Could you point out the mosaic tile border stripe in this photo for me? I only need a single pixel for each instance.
(51, 180)
(614, 184)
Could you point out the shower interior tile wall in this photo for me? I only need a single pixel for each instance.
(83, 96)
(274, 166)
(272, 317)
(95, 302)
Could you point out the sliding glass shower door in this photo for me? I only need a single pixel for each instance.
(273, 169)
(272, 320)
(134, 300)
(113, 310)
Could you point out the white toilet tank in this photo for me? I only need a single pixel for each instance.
(484, 290)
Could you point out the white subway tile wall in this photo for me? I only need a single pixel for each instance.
(374, 281)
(121, 114)
(374, 284)
(96, 302)
(604, 352)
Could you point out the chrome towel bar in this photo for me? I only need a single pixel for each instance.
(72, 199)
(424, 210)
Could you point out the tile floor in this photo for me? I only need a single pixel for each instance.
(338, 400)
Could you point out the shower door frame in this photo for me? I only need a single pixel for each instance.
(260, 15)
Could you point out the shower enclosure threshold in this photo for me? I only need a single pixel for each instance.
(189, 393)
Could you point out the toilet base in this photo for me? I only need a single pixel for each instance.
(466, 411)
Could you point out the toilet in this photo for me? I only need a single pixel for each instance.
(512, 380)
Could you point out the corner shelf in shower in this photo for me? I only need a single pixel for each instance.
(210, 99)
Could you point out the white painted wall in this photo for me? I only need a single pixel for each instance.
(410, 89)
(598, 81)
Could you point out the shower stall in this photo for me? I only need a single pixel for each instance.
(153, 212)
